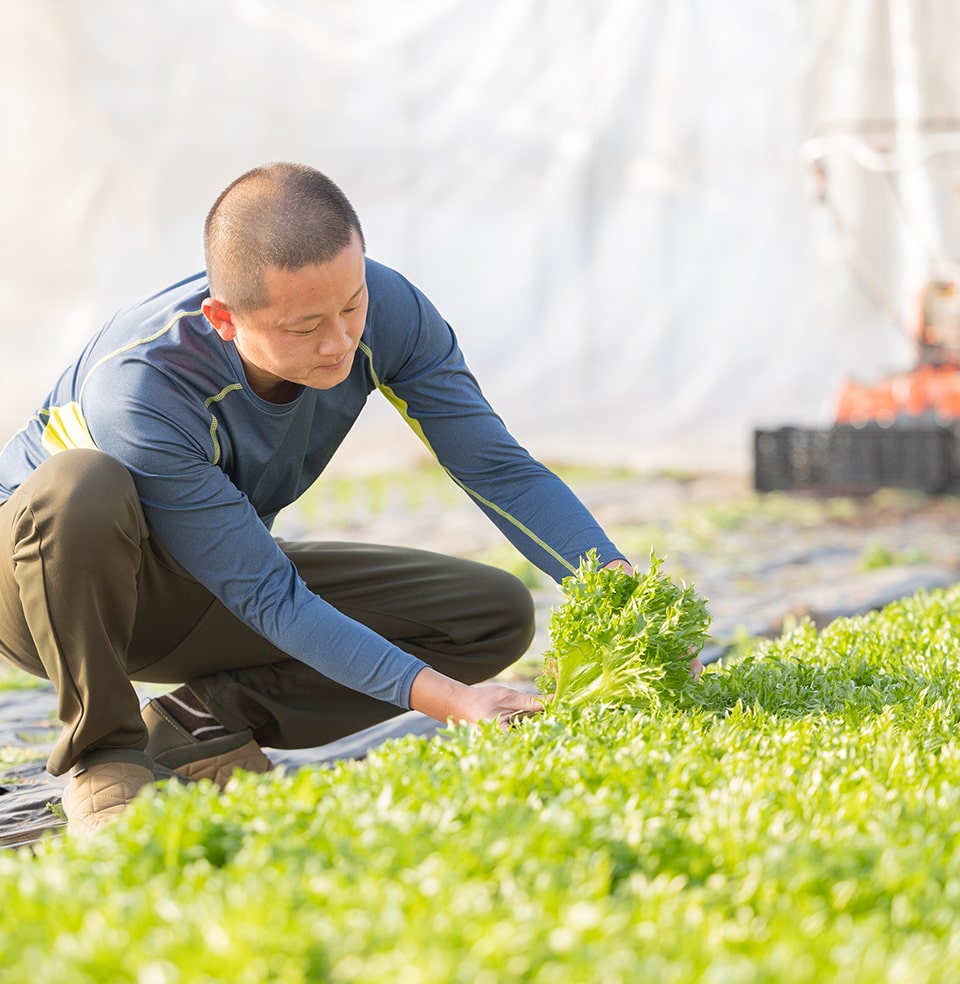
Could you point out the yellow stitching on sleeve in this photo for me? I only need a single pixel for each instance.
(414, 424)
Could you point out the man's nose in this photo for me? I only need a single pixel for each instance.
(333, 339)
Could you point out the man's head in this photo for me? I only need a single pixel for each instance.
(287, 272)
(283, 215)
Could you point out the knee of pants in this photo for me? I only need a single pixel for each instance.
(519, 613)
(82, 493)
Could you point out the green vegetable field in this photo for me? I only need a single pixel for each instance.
(794, 817)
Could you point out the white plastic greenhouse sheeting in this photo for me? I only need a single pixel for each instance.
(605, 198)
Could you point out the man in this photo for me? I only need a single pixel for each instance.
(138, 503)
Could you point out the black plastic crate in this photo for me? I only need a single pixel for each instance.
(846, 459)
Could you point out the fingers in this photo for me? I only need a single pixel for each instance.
(520, 715)
(529, 705)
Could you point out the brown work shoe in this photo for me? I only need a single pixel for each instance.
(219, 768)
(101, 786)
(216, 759)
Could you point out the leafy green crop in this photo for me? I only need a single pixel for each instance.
(795, 817)
(622, 638)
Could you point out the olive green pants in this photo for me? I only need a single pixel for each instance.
(91, 601)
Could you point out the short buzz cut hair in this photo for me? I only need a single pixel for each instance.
(277, 215)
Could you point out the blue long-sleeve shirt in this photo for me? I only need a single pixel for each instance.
(160, 391)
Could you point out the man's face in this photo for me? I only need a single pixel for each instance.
(308, 333)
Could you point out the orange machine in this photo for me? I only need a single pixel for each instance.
(905, 430)
(928, 393)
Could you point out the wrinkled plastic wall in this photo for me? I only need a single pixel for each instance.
(605, 198)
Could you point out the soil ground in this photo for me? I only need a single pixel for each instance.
(760, 560)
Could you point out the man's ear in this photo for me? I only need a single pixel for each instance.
(218, 314)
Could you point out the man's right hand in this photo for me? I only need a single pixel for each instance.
(445, 699)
